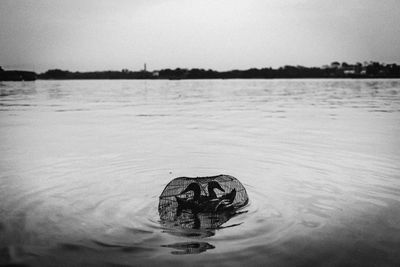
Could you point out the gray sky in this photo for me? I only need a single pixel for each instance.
(219, 34)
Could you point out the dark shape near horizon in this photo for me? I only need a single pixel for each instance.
(195, 207)
(16, 75)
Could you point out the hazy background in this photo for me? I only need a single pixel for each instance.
(219, 34)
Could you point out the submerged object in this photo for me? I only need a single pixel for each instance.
(202, 202)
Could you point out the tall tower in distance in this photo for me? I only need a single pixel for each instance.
(145, 68)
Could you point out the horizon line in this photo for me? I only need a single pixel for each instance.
(363, 63)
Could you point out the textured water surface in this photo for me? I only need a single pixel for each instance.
(82, 164)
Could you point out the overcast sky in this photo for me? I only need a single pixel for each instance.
(219, 34)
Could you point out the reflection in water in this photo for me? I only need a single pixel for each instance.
(189, 247)
(198, 225)
(24, 90)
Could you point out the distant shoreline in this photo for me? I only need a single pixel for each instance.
(199, 79)
(332, 71)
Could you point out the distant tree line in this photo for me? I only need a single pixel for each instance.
(17, 75)
(334, 70)
(124, 74)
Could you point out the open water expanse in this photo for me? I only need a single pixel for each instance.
(82, 165)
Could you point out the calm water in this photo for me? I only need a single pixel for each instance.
(83, 163)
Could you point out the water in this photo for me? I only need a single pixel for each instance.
(83, 163)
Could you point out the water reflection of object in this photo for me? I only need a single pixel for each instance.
(190, 206)
(189, 247)
(198, 225)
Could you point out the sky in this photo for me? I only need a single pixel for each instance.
(90, 35)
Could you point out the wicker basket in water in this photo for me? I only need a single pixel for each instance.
(168, 205)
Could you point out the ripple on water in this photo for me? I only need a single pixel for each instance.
(81, 186)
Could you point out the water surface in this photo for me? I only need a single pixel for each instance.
(83, 163)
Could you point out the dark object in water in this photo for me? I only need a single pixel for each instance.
(193, 203)
(189, 247)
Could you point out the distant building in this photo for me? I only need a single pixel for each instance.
(155, 73)
(349, 71)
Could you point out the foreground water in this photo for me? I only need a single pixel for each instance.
(83, 163)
